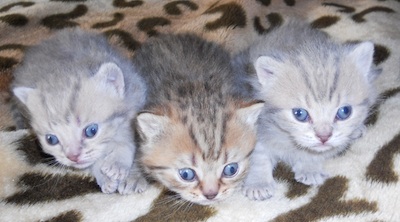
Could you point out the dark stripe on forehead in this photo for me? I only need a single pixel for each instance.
(74, 95)
(193, 136)
(227, 117)
(308, 82)
(211, 149)
(72, 101)
(50, 122)
(333, 87)
(220, 134)
(116, 115)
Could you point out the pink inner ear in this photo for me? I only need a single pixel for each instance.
(113, 76)
(265, 68)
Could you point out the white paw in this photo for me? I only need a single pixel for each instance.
(133, 184)
(311, 178)
(260, 191)
(108, 186)
(115, 171)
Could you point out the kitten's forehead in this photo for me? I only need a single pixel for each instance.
(203, 141)
(79, 103)
(313, 82)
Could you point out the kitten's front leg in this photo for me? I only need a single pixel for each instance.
(114, 167)
(259, 183)
(117, 164)
(120, 166)
(106, 184)
(134, 183)
(309, 173)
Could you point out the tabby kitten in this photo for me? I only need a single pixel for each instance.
(317, 95)
(198, 127)
(80, 96)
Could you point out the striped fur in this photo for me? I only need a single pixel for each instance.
(198, 116)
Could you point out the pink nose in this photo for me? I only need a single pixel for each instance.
(73, 157)
(324, 137)
(210, 196)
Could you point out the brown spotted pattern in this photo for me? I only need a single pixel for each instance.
(42, 185)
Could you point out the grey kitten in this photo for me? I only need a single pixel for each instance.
(80, 95)
(199, 123)
(317, 95)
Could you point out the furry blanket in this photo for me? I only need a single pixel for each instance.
(365, 183)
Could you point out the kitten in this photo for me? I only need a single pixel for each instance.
(80, 96)
(317, 95)
(198, 127)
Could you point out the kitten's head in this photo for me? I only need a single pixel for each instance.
(201, 158)
(321, 96)
(75, 122)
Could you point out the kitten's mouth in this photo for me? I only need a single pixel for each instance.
(208, 202)
(81, 165)
(203, 202)
(322, 147)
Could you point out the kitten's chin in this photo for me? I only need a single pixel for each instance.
(320, 148)
(81, 165)
(328, 149)
(206, 202)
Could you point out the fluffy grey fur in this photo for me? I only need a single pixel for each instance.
(317, 95)
(80, 96)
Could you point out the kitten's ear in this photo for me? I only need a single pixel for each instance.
(22, 93)
(266, 67)
(362, 55)
(112, 76)
(249, 112)
(151, 125)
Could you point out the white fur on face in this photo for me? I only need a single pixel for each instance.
(321, 86)
(67, 116)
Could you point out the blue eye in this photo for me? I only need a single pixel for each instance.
(51, 139)
(91, 130)
(300, 114)
(187, 174)
(343, 113)
(230, 169)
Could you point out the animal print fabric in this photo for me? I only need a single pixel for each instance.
(365, 183)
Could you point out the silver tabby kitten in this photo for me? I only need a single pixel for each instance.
(199, 123)
(80, 96)
(317, 95)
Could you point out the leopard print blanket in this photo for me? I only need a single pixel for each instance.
(365, 183)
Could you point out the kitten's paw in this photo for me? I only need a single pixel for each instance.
(311, 178)
(115, 171)
(133, 184)
(259, 191)
(108, 186)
